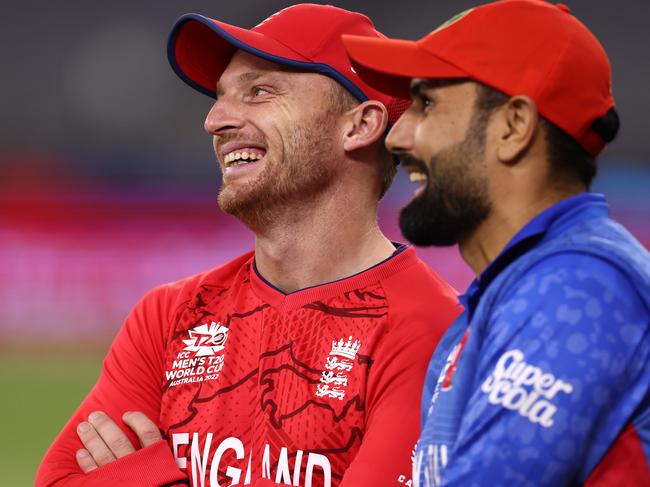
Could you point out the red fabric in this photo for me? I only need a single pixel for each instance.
(624, 465)
(151, 466)
(522, 47)
(201, 48)
(255, 392)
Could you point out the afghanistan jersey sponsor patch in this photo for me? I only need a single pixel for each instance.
(519, 386)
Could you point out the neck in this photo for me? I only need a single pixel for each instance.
(487, 241)
(334, 237)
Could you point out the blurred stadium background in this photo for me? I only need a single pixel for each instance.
(108, 183)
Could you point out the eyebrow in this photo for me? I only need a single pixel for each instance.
(418, 87)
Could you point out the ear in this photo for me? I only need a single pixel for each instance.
(518, 121)
(364, 125)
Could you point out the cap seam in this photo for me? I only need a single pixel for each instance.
(441, 58)
(309, 58)
(554, 69)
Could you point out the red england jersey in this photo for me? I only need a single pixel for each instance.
(319, 387)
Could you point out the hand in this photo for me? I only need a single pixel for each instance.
(105, 442)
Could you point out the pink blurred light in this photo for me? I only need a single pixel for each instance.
(73, 263)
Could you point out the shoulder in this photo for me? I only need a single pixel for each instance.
(578, 276)
(571, 300)
(222, 276)
(158, 311)
(418, 296)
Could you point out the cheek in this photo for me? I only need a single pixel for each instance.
(427, 139)
(435, 133)
(272, 131)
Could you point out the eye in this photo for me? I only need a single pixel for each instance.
(426, 102)
(422, 101)
(259, 91)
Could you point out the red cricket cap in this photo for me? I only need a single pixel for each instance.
(305, 37)
(518, 47)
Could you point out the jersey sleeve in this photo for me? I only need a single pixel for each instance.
(562, 367)
(130, 380)
(420, 313)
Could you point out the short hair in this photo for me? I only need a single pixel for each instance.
(565, 154)
(340, 101)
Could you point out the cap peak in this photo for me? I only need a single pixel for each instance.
(518, 47)
(305, 37)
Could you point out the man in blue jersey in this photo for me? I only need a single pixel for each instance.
(544, 379)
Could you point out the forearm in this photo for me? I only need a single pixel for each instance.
(153, 466)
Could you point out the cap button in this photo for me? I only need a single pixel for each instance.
(563, 7)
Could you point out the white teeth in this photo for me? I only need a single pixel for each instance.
(241, 157)
(418, 177)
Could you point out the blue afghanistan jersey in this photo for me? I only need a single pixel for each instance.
(544, 378)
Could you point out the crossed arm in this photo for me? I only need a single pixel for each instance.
(105, 442)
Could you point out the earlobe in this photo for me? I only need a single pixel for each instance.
(366, 125)
(518, 126)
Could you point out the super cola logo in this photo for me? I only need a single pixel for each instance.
(519, 386)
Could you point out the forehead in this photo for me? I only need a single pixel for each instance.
(242, 60)
(245, 68)
(287, 85)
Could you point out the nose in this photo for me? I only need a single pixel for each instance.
(223, 117)
(400, 137)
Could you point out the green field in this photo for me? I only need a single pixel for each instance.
(41, 387)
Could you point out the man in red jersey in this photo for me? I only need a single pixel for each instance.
(300, 363)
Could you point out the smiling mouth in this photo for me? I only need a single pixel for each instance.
(242, 156)
(418, 177)
(417, 172)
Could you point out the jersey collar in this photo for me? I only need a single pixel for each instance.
(403, 257)
(549, 223)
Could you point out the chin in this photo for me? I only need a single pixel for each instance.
(231, 198)
(429, 219)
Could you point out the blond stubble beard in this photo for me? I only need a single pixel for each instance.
(285, 189)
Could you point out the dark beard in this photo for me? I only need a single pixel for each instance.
(455, 200)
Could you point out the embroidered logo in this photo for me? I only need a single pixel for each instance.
(450, 366)
(334, 379)
(446, 377)
(206, 339)
(199, 360)
(519, 386)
